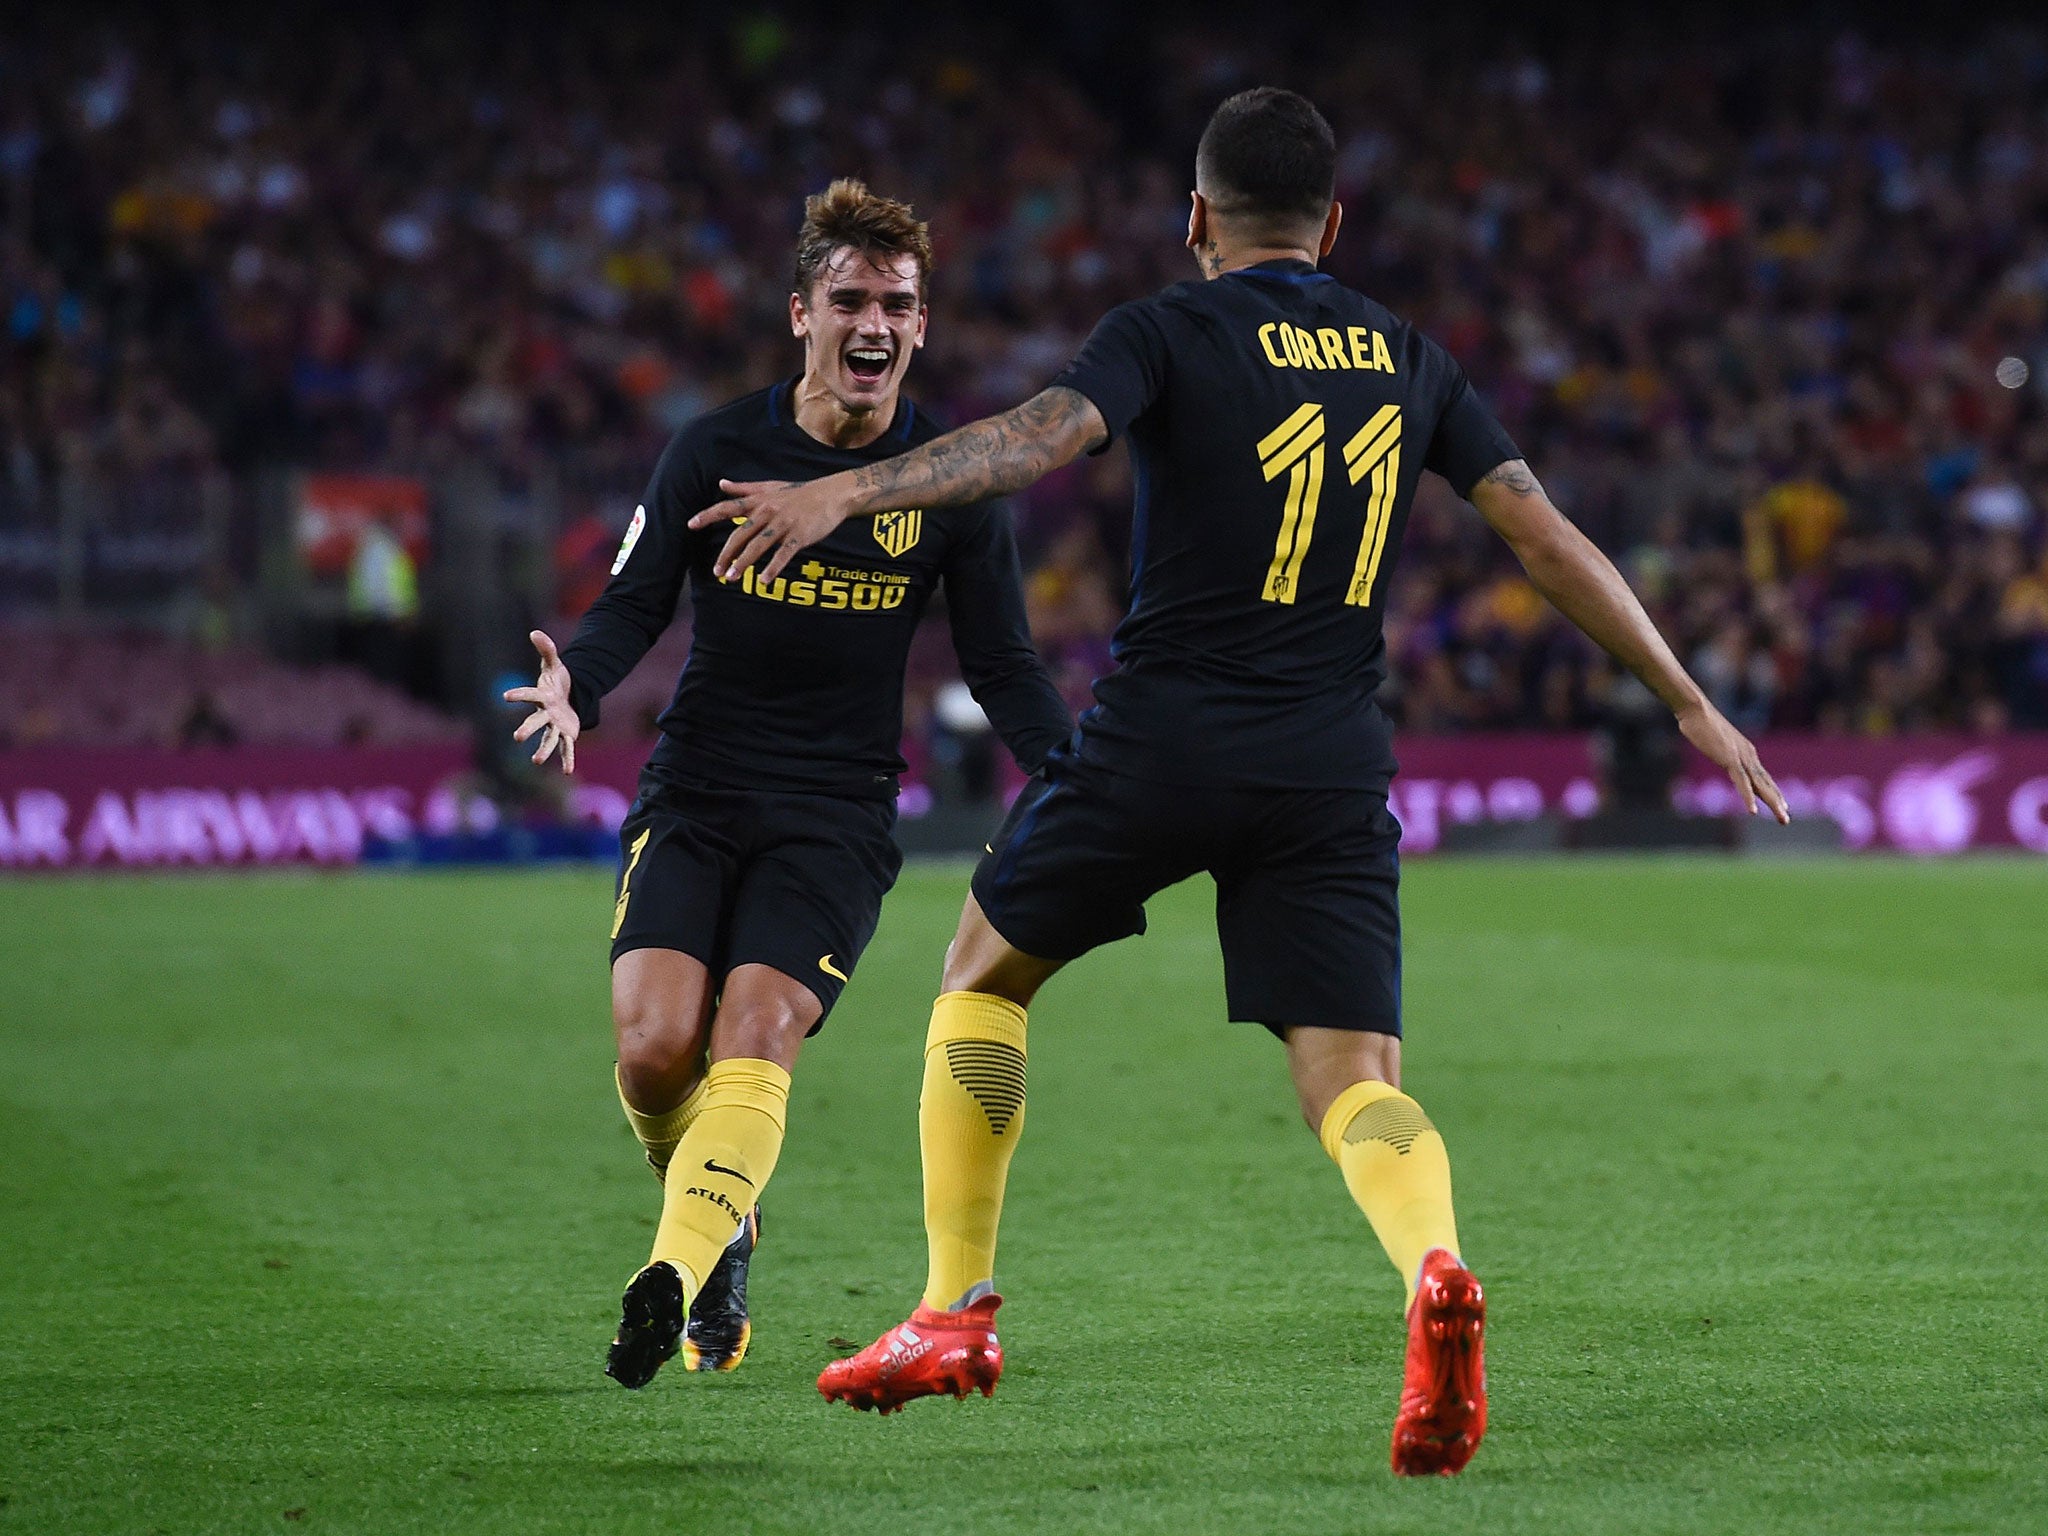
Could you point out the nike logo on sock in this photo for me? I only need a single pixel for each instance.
(732, 1173)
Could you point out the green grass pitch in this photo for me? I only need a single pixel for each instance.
(315, 1204)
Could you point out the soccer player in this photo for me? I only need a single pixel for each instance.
(755, 859)
(1278, 425)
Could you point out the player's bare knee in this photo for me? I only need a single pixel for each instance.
(764, 1030)
(660, 1018)
(1324, 1062)
(966, 969)
(661, 1051)
(981, 960)
(764, 1015)
(992, 975)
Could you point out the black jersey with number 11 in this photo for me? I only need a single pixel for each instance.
(1278, 424)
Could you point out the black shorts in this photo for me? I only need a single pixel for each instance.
(1307, 886)
(737, 877)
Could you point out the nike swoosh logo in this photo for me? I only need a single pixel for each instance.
(731, 1173)
(825, 964)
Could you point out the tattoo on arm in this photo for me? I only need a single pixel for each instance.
(993, 457)
(1515, 476)
(1569, 569)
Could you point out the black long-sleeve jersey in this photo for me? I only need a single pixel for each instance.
(1278, 424)
(797, 683)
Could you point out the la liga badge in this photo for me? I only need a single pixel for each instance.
(632, 537)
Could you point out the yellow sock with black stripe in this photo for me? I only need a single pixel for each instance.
(660, 1133)
(721, 1164)
(969, 1117)
(1397, 1170)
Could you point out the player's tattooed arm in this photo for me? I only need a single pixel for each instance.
(1569, 569)
(1514, 476)
(991, 457)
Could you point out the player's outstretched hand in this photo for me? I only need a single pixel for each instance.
(553, 715)
(774, 519)
(1708, 729)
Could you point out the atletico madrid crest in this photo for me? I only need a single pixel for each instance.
(897, 532)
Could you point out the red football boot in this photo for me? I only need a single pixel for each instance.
(934, 1352)
(1443, 1394)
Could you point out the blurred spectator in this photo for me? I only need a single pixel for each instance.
(1072, 609)
(583, 557)
(205, 726)
(383, 606)
(1793, 526)
(2022, 629)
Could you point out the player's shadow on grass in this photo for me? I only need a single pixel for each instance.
(727, 1471)
(415, 1392)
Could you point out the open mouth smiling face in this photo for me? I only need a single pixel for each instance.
(861, 321)
(868, 364)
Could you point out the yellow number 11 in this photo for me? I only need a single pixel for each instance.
(1296, 449)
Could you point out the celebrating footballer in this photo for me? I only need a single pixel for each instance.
(754, 862)
(1279, 424)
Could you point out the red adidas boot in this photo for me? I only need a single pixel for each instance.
(1443, 1394)
(934, 1352)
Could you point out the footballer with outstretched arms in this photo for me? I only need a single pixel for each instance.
(754, 862)
(1278, 425)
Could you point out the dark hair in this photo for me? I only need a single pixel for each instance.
(1268, 154)
(846, 214)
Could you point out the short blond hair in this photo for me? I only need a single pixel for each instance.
(846, 215)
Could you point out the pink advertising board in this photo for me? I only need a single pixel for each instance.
(137, 809)
(1912, 794)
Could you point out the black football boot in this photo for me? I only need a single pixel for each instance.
(716, 1336)
(650, 1326)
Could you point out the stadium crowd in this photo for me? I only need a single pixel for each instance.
(1768, 315)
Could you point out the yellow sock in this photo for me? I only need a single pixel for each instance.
(660, 1133)
(968, 1120)
(721, 1164)
(1396, 1169)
